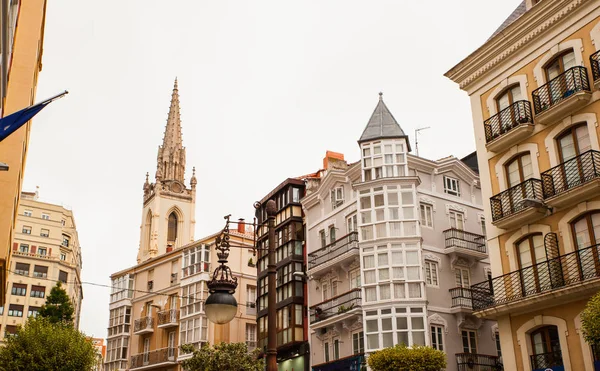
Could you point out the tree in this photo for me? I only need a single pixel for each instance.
(41, 345)
(402, 358)
(590, 320)
(58, 307)
(224, 356)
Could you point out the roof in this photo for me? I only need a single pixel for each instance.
(519, 11)
(471, 161)
(382, 124)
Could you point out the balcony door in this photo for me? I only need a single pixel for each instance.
(146, 351)
(509, 118)
(534, 276)
(545, 346)
(171, 346)
(571, 145)
(586, 232)
(557, 88)
(518, 170)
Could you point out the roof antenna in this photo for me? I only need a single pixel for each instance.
(417, 138)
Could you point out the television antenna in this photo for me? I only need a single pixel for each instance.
(417, 138)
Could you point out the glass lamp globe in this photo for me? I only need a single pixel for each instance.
(220, 307)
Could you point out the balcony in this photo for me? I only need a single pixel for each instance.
(559, 280)
(353, 362)
(168, 318)
(465, 244)
(336, 309)
(509, 126)
(595, 63)
(518, 205)
(154, 359)
(343, 250)
(545, 361)
(461, 300)
(144, 325)
(573, 181)
(479, 362)
(563, 94)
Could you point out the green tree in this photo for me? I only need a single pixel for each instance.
(41, 345)
(232, 356)
(58, 307)
(402, 358)
(590, 320)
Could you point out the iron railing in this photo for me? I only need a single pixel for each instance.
(480, 362)
(168, 317)
(517, 114)
(552, 274)
(514, 199)
(461, 297)
(458, 238)
(595, 62)
(546, 360)
(336, 305)
(573, 80)
(144, 323)
(333, 250)
(154, 357)
(572, 173)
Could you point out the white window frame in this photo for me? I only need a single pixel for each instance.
(454, 215)
(28, 213)
(427, 211)
(430, 268)
(337, 197)
(471, 346)
(462, 272)
(360, 335)
(45, 216)
(326, 352)
(482, 225)
(451, 186)
(436, 330)
(335, 342)
(352, 223)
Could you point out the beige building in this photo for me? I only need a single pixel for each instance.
(21, 47)
(533, 88)
(100, 348)
(45, 250)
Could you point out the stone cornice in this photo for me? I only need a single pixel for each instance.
(530, 25)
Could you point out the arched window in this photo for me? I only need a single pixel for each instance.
(519, 169)
(571, 145)
(508, 97)
(560, 64)
(545, 346)
(172, 233)
(530, 253)
(510, 117)
(586, 233)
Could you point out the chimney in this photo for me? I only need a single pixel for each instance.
(332, 157)
(241, 226)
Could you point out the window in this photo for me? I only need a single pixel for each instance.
(251, 296)
(45, 232)
(33, 311)
(437, 339)
(519, 169)
(451, 186)
(336, 348)
(40, 271)
(38, 291)
(426, 215)
(498, 349)
(295, 195)
(19, 289)
(27, 213)
(66, 240)
(559, 65)
(251, 336)
(530, 252)
(457, 220)
(462, 278)
(15, 310)
(24, 248)
(26, 229)
(172, 232)
(22, 269)
(354, 278)
(510, 96)
(326, 349)
(469, 342)
(63, 256)
(45, 216)
(63, 276)
(571, 144)
(337, 197)
(586, 232)
(42, 251)
(431, 273)
(482, 223)
(352, 224)
(545, 346)
(358, 342)
(331, 234)
(409, 327)
(322, 238)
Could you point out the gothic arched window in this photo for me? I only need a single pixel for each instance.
(172, 233)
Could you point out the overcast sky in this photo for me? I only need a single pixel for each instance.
(266, 88)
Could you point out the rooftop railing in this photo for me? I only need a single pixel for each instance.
(517, 114)
(333, 250)
(458, 238)
(336, 305)
(513, 199)
(573, 80)
(572, 173)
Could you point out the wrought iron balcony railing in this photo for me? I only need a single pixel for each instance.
(513, 199)
(336, 305)
(333, 250)
(573, 80)
(518, 113)
(562, 271)
(167, 317)
(546, 360)
(473, 361)
(461, 297)
(595, 62)
(572, 173)
(463, 239)
(153, 357)
(144, 323)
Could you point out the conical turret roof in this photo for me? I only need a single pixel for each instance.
(382, 124)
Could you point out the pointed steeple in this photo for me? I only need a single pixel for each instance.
(382, 124)
(171, 155)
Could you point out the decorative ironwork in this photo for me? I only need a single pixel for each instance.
(572, 268)
(572, 173)
(572, 81)
(480, 362)
(517, 114)
(595, 62)
(336, 305)
(222, 278)
(333, 250)
(461, 297)
(546, 360)
(144, 323)
(458, 238)
(514, 199)
(168, 317)
(154, 357)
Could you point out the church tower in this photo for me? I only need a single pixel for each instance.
(168, 216)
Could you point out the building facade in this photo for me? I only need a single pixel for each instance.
(394, 242)
(21, 45)
(100, 348)
(45, 250)
(533, 88)
(292, 322)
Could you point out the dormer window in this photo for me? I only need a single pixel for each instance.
(337, 197)
(451, 186)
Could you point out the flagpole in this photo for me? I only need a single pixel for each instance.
(53, 98)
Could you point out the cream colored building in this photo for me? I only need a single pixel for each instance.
(533, 88)
(45, 250)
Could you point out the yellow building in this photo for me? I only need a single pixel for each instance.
(534, 91)
(45, 250)
(20, 61)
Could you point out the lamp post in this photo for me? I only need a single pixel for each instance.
(221, 305)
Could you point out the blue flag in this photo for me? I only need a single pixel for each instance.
(12, 122)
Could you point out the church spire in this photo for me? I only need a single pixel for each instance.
(171, 155)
